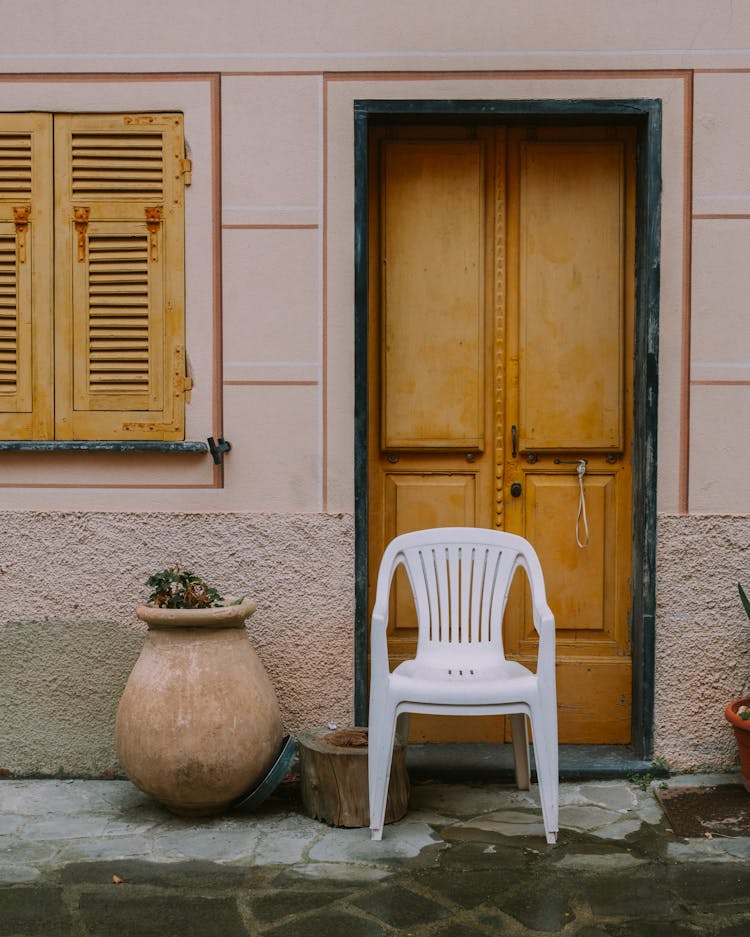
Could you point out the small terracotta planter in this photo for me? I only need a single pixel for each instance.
(198, 725)
(742, 734)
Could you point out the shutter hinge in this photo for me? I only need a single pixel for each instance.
(182, 382)
(187, 386)
(186, 168)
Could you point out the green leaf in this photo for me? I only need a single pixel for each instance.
(174, 587)
(744, 599)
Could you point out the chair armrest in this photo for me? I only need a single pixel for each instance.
(379, 669)
(378, 646)
(544, 622)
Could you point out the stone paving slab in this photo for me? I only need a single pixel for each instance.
(424, 904)
(99, 859)
(27, 910)
(123, 912)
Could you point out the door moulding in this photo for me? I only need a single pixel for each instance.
(646, 115)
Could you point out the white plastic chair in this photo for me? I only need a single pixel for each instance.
(460, 577)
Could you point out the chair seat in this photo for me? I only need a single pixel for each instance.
(478, 684)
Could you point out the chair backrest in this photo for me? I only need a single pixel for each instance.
(460, 578)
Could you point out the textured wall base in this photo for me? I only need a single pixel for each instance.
(69, 584)
(702, 638)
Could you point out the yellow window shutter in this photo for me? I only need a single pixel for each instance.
(26, 378)
(119, 308)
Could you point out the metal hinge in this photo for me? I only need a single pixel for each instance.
(187, 386)
(182, 383)
(186, 168)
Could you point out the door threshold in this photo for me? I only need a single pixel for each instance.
(482, 761)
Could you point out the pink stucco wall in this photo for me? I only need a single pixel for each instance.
(702, 637)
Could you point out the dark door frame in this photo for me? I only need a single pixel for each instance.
(646, 114)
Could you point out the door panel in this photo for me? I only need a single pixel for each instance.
(414, 501)
(593, 700)
(411, 502)
(500, 353)
(578, 579)
(571, 295)
(433, 295)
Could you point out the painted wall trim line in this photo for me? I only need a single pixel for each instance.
(270, 227)
(271, 383)
(683, 490)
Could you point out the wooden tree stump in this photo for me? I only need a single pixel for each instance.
(333, 768)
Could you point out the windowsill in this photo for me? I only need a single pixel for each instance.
(95, 445)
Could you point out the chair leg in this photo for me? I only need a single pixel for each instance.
(379, 757)
(402, 727)
(547, 770)
(520, 738)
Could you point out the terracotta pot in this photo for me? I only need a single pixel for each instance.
(198, 725)
(742, 734)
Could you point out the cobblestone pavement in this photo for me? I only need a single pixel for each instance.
(98, 858)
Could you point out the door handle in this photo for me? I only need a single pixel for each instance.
(513, 441)
(515, 490)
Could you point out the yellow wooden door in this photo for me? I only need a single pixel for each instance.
(500, 357)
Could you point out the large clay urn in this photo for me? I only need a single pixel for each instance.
(198, 725)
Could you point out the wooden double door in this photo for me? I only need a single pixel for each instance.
(500, 361)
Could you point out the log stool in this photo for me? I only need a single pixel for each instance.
(333, 769)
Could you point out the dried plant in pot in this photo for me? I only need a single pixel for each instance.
(738, 714)
(198, 725)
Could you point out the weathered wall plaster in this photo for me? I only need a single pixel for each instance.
(69, 584)
(702, 637)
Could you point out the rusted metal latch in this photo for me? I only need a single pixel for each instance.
(21, 218)
(81, 221)
(153, 221)
(217, 449)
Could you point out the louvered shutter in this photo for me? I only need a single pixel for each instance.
(119, 309)
(26, 378)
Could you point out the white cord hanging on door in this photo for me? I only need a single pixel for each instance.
(581, 471)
